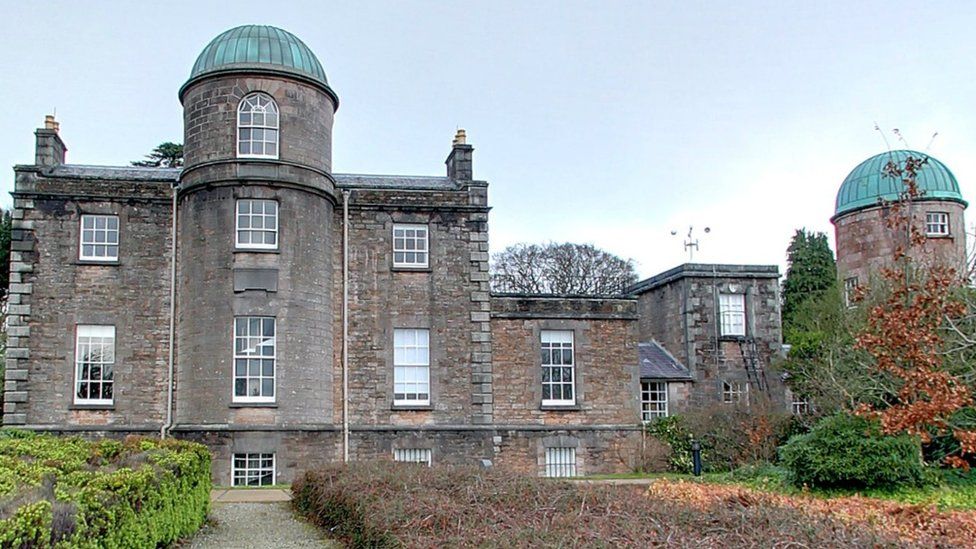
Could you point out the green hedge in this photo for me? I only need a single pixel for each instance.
(69, 492)
(846, 451)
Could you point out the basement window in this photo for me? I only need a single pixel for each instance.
(412, 455)
(560, 462)
(253, 470)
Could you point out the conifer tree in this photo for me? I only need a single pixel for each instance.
(811, 272)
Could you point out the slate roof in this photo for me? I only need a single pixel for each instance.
(343, 180)
(406, 182)
(657, 363)
(113, 173)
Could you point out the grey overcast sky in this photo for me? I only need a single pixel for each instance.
(603, 122)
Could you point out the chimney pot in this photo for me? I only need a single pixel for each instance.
(49, 123)
(460, 138)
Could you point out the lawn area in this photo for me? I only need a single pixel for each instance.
(388, 505)
(951, 489)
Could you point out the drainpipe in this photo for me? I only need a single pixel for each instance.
(172, 323)
(345, 326)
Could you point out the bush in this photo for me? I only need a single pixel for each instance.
(69, 492)
(738, 435)
(385, 504)
(847, 451)
(672, 432)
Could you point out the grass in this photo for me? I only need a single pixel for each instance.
(953, 489)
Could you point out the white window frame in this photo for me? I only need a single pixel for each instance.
(251, 354)
(251, 217)
(850, 287)
(94, 231)
(936, 224)
(413, 455)
(253, 472)
(90, 335)
(553, 345)
(402, 241)
(732, 314)
(560, 462)
(735, 392)
(652, 408)
(252, 109)
(411, 367)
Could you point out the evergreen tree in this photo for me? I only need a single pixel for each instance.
(166, 155)
(811, 272)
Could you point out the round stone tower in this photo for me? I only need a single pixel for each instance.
(255, 238)
(864, 241)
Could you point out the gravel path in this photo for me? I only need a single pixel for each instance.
(256, 526)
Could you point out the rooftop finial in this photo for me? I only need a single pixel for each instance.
(460, 138)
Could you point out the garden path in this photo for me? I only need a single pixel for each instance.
(249, 525)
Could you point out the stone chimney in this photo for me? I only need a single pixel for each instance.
(459, 161)
(49, 150)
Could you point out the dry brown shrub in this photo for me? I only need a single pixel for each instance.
(384, 504)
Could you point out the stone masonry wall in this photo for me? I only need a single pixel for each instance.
(450, 298)
(52, 291)
(691, 303)
(605, 354)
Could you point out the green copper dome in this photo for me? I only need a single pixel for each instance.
(259, 48)
(867, 183)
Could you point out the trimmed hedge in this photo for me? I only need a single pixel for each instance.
(386, 504)
(847, 451)
(70, 492)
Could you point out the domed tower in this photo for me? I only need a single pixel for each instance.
(255, 238)
(865, 243)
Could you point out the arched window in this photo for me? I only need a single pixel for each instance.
(257, 127)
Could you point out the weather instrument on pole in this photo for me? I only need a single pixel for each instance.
(691, 243)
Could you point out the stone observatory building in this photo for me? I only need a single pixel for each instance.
(865, 243)
(286, 315)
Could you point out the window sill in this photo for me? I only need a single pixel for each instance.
(560, 407)
(257, 251)
(79, 406)
(411, 407)
(732, 338)
(406, 269)
(938, 236)
(107, 263)
(253, 405)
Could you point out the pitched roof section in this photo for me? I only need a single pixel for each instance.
(395, 182)
(113, 173)
(343, 180)
(657, 363)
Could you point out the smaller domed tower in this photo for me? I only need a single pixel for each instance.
(865, 243)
